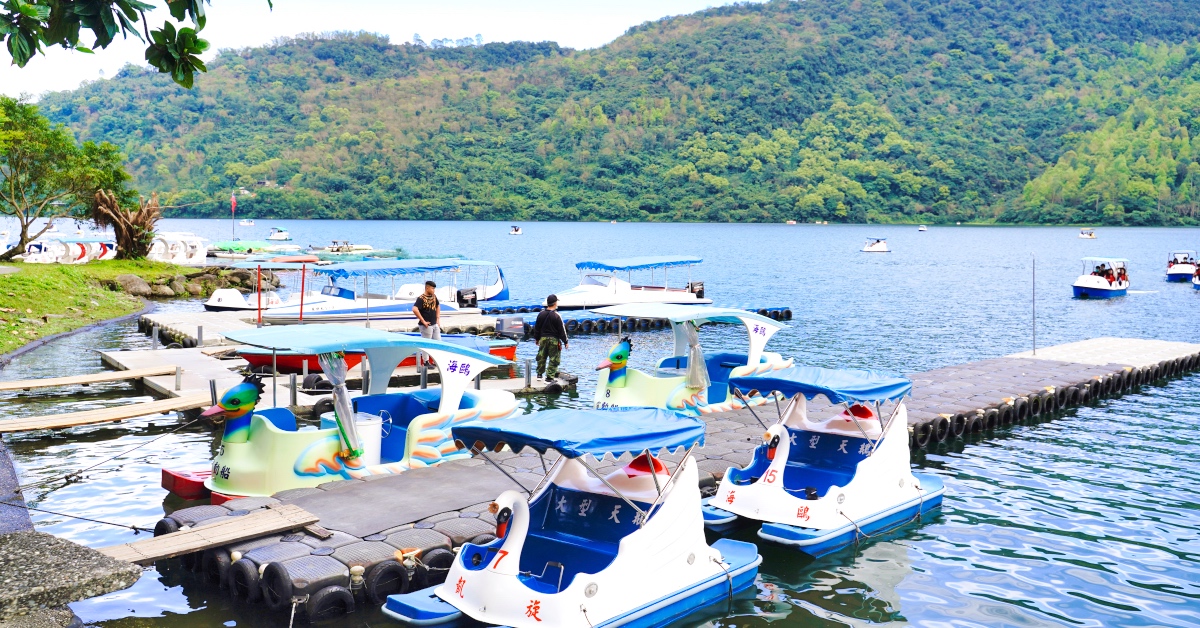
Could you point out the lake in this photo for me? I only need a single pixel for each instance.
(1086, 520)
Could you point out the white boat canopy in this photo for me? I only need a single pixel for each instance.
(387, 267)
(758, 327)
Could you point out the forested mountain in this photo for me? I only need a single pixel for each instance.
(839, 110)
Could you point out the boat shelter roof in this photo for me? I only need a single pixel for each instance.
(387, 267)
(676, 313)
(1105, 259)
(638, 263)
(575, 433)
(239, 245)
(837, 385)
(269, 265)
(316, 339)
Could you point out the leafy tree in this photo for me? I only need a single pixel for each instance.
(45, 174)
(27, 26)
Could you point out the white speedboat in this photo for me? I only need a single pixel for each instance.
(246, 222)
(305, 291)
(516, 230)
(178, 247)
(585, 547)
(279, 235)
(453, 287)
(922, 228)
(600, 286)
(820, 484)
(876, 245)
(1181, 266)
(1087, 234)
(1102, 278)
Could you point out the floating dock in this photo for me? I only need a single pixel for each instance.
(409, 522)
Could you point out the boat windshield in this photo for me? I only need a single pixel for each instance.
(596, 280)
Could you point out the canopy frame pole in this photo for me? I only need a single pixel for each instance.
(612, 488)
(687, 454)
(746, 401)
(888, 426)
(855, 419)
(545, 478)
(367, 292)
(778, 411)
(653, 474)
(506, 473)
(303, 274)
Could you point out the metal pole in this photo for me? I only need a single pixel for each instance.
(260, 295)
(1033, 303)
(292, 385)
(154, 337)
(367, 289)
(304, 367)
(274, 377)
(528, 373)
(365, 368)
(212, 390)
(199, 335)
(424, 370)
(303, 274)
(178, 377)
(477, 382)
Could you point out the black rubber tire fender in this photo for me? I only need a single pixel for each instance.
(1061, 397)
(191, 562)
(485, 538)
(214, 564)
(276, 585)
(1020, 410)
(384, 579)
(1072, 396)
(1005, 417)
(166, 525)
(329, 603)
(958, 425)
(991, 419)
(941, 429)
(1035, 406)
(787, 315)
(974, 424)
(1084, 392)
(572, 325)
(310, 381)
(242, 580)
(323, 405)
(923, 433)
(643, 324)
(432, 569)
(587, 327)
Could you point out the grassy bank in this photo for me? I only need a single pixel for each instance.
(39, 300)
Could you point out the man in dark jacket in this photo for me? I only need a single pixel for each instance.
(548, 332)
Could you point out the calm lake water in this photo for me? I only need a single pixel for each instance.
(1092, 519)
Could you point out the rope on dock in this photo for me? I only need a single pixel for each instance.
(136, 529)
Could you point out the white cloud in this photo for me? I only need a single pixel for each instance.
(242, 23)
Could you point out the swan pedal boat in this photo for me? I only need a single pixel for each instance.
(584, 549)
(1181, 266)
(1092, 286)
(675, 384)
(264, 452)
(819, 485)
(876, 245)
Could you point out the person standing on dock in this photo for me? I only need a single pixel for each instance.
(548, 332)
(429, 313)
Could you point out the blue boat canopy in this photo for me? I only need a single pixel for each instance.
(638, 263)
(838, 385)
(574, 433)
(315, 339)
(387, 267)
(677, 313)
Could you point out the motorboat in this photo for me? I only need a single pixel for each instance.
(70, 250)
(690, 381)
(599, 285)
(791, 222)
(516, 230)
(819, 484)
(587, 548)
(178, 247)
(479, 278)
(232, 300)
(1102, 278)
(1087, 234)
(922, 228)
(246, 222)
(347, 305)
(264, 451)
(277, 234)
(1181, 266)
(265, 360)
(876, 245)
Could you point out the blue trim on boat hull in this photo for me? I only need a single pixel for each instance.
(1097, 293)
(821, 542)
(1179, 277)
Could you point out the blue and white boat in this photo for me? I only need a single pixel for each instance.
(1102, 278)
(342, 305)
(820, 484)
(485, 278)
(600, 285)
(1181, 266)
(586, 548)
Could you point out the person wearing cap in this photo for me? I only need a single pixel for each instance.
(550, 334)
(429, 313)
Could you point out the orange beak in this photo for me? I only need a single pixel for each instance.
(213, 411)
(607, 364)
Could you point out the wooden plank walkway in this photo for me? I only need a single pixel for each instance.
(104, 415)
(270, 520)
(84, 380)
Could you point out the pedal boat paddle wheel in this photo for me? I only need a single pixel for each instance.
(820, 484)
(690, 381)
(265, 451)
(585, 549)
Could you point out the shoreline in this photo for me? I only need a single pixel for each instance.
(147, 307)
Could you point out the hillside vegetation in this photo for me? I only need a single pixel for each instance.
(839, 110)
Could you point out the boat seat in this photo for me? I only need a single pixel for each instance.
(799, 477)
(582, 531)
(821, 460)
(402, 408)
(281, 418)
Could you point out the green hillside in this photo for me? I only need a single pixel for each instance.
(886, 110)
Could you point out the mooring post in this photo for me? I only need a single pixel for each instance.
(528, 373)
(199, 335)
(212, 390)
(178, 378)
(154, 337)
(304, 368)
(1033, 302)
(292, 385)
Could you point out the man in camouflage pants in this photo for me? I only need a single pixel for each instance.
(549, 331)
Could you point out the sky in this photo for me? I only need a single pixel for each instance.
(243, 23)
